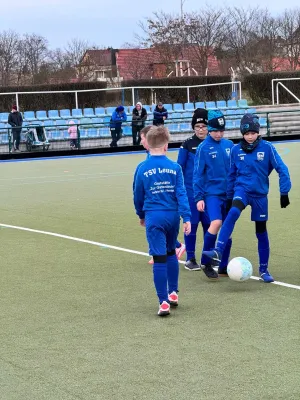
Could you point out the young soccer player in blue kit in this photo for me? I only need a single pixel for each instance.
(186, 158)
(160, 199)
(180, 247)
(252, 161)
(210, 187)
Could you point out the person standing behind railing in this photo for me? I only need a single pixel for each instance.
(15, 120)
(139, 116)
(118, 116)
(72, 131)
(160, 114)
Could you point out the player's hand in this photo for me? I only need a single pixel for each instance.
(284, 200)
(187, 228)
(201, 206)
(142, 222)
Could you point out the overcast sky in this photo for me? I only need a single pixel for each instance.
(102, 22)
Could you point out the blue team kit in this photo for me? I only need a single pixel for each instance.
(160, 198)
(248, 179)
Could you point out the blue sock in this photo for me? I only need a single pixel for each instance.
(263, 250)
(160, 278)
(226, 254)
(173, 273)
(178, 244)
(227, 228)
(209, 243)
(190, 242)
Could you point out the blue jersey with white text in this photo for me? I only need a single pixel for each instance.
(211, 168)
(159, 187)
(250, 171)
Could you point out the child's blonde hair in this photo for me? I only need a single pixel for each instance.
(158, 136)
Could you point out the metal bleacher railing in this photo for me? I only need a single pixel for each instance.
(93, 125)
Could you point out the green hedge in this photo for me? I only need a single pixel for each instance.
(34, 102)
(259, 87)
(180, 95)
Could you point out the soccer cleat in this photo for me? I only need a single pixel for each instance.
(180, 251)
(191, 265)
(210, 272)
(266, 277)
(173, 299)
(164, 309)
(214, 254)
(222, 271)
(151, 261)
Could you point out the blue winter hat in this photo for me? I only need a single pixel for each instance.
(120, 109)
(249, 123)
(216, 121)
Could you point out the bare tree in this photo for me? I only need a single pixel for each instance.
(77, 57)
(290, 32)
(241, 40)
(205, 32)
(9, 54)
(167, 34)
(36, 51)
(269, 42)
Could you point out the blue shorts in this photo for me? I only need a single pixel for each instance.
(259, 205)
(162, 228)
(197, 216)
(215, 207)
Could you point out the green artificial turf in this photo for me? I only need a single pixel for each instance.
(79, 321)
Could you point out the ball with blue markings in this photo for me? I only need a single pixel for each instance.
(239, 269)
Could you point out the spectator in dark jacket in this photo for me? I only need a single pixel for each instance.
(118, 116)
(15, 120)
(139, 116)
(160, 114)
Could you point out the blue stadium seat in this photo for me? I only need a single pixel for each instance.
(178, 107)
(185, 127)
(243, 103)
(104, 132)
(86, 122)
(83, 130)
(251, 110)
(239, 111)
(92, 133)
(41, 115)
(4, 117)
(189, 107)
(173, 128)
(97, 121)
(263, 122)
(231, 104)
(100, 112)
(210, 105)
(88, 112)
(230, 124)
(127, 130)
(62, 124)
(29, 116)
(130, 109)
(65, 113)
(110, 110)
(77, 113)
(200, 104)
(168, 107)
(56, 135)
(106, 119)
(221, 104)
(53, 114)
(187, 115)
(147, 108)
(129, 118)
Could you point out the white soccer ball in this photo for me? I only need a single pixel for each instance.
(239, 269)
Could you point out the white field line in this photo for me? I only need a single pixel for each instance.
(108, 246)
